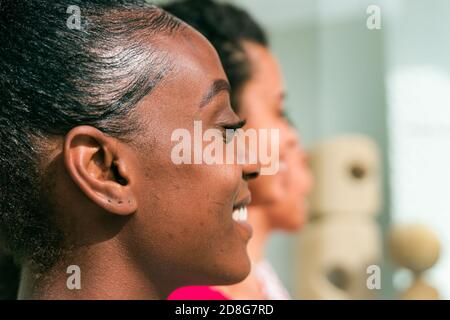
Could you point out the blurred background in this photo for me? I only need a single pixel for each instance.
(390, 85)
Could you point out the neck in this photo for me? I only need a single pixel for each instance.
(105, 272)
(261, 231)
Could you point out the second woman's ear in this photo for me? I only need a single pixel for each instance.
(99, 166)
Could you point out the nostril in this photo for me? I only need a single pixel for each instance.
(251, 176)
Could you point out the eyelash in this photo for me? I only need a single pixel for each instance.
(233, 127)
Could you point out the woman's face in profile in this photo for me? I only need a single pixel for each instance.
(183, 232)
(261, 105)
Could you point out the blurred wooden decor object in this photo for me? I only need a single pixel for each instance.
(342, 238)
(416, 248)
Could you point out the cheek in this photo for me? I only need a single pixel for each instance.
(188, 209)
(298, 179)
(291, 213)
(192, 191)
(282, 196)
(184, 210)
(267, 190)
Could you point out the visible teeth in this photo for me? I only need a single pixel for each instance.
(240, 214)
(236, 215)
(244, 214)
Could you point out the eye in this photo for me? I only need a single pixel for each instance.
(285, 115)
(230, 129)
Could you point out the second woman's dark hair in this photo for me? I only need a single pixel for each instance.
(226, 27)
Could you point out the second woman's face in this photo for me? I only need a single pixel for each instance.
(261, 104)
(184, 232)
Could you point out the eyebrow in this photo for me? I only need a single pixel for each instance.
(217, 87)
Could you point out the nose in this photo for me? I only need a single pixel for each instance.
(250, 165)
(308, 175)
(292, 140)
(250, 170)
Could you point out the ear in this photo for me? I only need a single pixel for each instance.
(99, 165)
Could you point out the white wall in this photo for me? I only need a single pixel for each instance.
(418, 55)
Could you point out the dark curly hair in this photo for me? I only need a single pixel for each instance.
(53, 78)
(225, 26)
(9, 274)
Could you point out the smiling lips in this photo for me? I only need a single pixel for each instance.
(240, 214)
(240, 217)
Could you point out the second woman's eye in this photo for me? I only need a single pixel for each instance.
(230, 129)
(285, 115)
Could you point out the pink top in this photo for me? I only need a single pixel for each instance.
(196, 293)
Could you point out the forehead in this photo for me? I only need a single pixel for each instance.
(195, 66)
(193, 57)
(265, 67)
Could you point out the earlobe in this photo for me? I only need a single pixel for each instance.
(99, 167)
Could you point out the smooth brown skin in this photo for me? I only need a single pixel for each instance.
(142, 226)
(278, 201)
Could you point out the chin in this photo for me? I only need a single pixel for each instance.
(292, 226)
(224, 273)
(293, 222)
(235, 273)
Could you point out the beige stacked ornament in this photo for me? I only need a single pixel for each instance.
(416, 248)
(342, 239)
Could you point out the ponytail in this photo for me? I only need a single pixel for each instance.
(9, 277)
